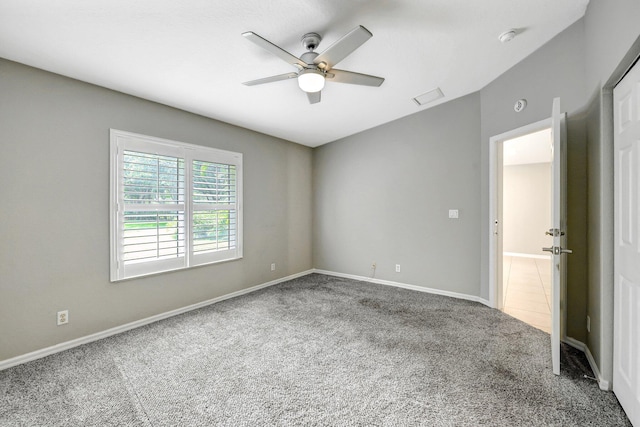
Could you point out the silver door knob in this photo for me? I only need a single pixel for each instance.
(557, 250)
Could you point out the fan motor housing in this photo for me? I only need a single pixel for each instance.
(308, 57)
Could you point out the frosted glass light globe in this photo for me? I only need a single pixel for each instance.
(311, 80)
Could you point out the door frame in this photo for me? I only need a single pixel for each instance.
(495, 213)
(626, 393)
(604, 275)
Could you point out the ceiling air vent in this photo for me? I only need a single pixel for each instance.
(428, 97)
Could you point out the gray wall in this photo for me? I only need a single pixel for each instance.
(54, 170)
(612, 40)
(526, 208)
(554, 70)
(383, 196)
(580, 66)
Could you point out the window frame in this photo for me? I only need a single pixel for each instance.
(121, 141)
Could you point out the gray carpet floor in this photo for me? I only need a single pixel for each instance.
(315, 351)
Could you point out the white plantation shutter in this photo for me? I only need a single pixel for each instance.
(174, 205)
(214, 217)
(152, 215)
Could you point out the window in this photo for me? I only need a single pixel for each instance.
(173, 205)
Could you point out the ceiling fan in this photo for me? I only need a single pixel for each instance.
(314, 68)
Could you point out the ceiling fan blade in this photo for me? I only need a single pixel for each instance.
(276, 50)
(343, 47)
(341, 76)
(271, 79)
(314, 97)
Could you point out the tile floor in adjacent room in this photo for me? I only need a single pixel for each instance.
(527, 290)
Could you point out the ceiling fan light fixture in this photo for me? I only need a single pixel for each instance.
(311, 80)
(312, 67)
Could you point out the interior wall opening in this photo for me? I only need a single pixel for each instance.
(526, 200)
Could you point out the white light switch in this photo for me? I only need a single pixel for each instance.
(453, 213)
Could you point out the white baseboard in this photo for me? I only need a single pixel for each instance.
(520, 255)
(602, 383)
(38, 354)
(406, 286)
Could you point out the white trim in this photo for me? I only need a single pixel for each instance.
(519, 255)
(406, 286)
(579, 345)
(120, 141)
(38, 354)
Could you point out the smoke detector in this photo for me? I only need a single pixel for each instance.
(507, 36)
(520, 105)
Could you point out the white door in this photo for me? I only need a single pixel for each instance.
(626, 332)
(558, 224)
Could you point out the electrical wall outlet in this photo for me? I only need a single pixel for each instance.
(454, 214)
(63, 317)
(273, 266)
(397, 268)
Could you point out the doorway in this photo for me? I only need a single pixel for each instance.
(518, 242)
(557, 231)
(526, 214)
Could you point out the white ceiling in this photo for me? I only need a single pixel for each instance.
(190, 54)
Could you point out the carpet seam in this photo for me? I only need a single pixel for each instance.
(131, 390)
